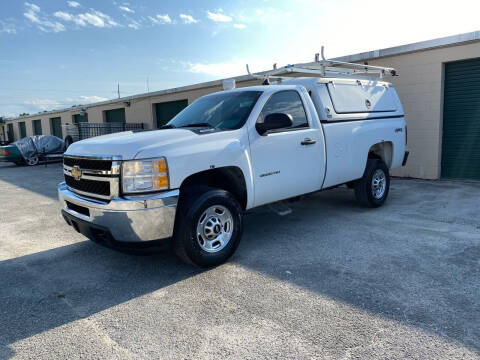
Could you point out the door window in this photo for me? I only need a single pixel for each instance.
(286, 102)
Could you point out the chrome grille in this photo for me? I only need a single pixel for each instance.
(89, 186)
(99, 176)
(88, 163)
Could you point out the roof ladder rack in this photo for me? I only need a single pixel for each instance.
(324, 68)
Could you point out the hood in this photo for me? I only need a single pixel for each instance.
(128, 144)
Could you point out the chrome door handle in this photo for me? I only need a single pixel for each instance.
(308, 141)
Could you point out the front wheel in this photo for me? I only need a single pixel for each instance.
(209, 226)
(372, 189)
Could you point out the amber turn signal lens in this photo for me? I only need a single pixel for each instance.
(160, 182)
(161, 166)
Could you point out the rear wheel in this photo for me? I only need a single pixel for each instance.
(208, 228)
(32, 161)
(372, 189)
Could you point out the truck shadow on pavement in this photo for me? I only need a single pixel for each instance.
(388, 264)
(48, 289)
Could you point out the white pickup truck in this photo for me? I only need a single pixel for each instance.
(190, 182)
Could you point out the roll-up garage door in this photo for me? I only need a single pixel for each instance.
(166, 111)
(461, 120)
(115, 116)
(22, 129)
(56, 126)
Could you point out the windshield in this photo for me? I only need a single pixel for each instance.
(224, 111)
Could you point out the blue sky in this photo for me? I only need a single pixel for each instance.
(56, 53)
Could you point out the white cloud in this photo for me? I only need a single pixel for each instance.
(73, 4)
(164, 19)
(91, 99)
(239, 26)
(32, 7)
(7, 28)
(126, 9)
(33, 14)
(188, 19)
(153, 20)
(217, 69)
(42, 104)
(134, 25)
(98, 19)
(63, 15)
(235, 67)
(161, 19)
(94, 17)
(218, 16)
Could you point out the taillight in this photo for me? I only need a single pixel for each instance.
(406, 135)
(5, 152)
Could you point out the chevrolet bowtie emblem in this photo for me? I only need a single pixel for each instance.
(76, 173)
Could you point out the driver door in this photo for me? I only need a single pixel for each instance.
(286, 162)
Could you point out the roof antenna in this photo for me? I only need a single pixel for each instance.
(275, 66)
(248, 70)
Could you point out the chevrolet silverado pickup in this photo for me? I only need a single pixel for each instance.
(190, 182)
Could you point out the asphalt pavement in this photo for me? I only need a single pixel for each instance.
(332, 280)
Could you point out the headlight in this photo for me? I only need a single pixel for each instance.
(144, 175)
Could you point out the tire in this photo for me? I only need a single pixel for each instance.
(33, 161)
(68, 141)
(372, 189)
(209, 227)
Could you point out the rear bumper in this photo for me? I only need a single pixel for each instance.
(133, 219)
(405, 158)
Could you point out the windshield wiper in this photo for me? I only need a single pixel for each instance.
(167, 126)
(197, 125)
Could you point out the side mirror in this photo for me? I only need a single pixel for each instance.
(274, 121)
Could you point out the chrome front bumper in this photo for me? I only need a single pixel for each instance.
(130, 219)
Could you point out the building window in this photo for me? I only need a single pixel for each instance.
(37, 127)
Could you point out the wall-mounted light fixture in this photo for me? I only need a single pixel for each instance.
(126, 103)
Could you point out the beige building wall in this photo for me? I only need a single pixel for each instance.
(420, 87)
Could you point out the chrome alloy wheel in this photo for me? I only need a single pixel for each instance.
(379, 184)
(215, 228)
